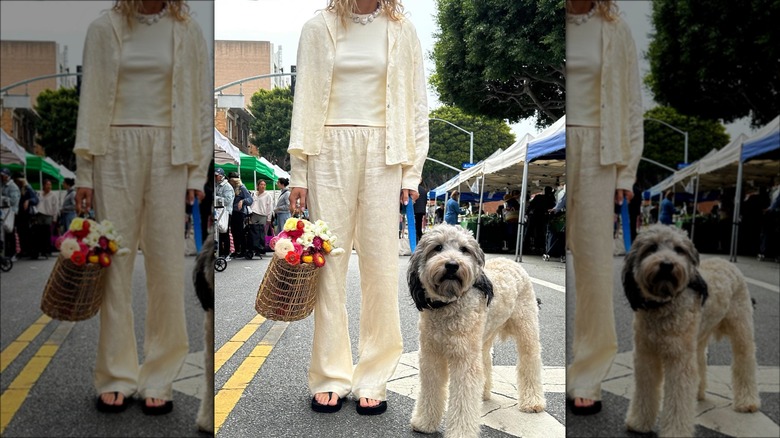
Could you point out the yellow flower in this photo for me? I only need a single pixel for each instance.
(76, 224)
(291, 224)
(326, 247)
(307, 258)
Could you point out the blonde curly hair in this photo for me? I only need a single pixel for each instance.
(179, 10)
(607, 9)
(343, 9)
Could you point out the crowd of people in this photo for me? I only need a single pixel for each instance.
(34, 219)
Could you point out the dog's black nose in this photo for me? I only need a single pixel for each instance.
(451, 267)
(665, 267)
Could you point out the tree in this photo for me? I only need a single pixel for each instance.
(56, 128)
(717, 59)
(451, 146)
(502, 59)
(666, 146)
(272, 110)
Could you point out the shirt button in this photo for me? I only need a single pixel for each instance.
(388, 106)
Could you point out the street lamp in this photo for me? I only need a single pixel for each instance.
(471, 135)
(685, 133)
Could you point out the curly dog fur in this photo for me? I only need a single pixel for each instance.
(465, 304)
(203, 279)
(678, 305)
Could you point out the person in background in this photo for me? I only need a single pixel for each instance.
(358, 142)
(68, 207)
(420, 208)
(666, 213)
(262, 209)
(223, 196)
(144, 140)
(452, 208)
(282, 209)
(48, 211)
(10, 194)
(604, 142)
(242, 202)
(28, 208)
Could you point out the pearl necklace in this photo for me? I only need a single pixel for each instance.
(367, 18)
(580, 18)
(150, 19)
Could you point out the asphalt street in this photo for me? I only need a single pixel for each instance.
(715, 417)
(47, 365)
(262, 385)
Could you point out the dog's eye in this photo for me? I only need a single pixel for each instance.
(438, 248)
(464, 250)
(679, 250)
(652, 248)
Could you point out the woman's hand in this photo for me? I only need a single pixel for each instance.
(298, 199)
(83, 200)
(405, 193)
(621, 194)
(192, 193)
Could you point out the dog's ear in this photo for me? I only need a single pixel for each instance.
(630, 286)
(484, 284)
(416, 288)
(698, 284)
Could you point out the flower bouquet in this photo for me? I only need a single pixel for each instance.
(289, 288)
(73, 291)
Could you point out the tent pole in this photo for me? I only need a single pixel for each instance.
(521, 218)
(735, 220)
(479, 212)
(695, 206)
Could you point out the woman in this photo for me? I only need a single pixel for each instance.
(28, 207)
(144, 140)
(282, 209)
(604, 143)
(359, 138)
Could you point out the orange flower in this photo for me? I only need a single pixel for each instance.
(78, 258)
(292, 258)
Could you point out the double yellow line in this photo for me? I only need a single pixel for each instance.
(226, 399)
(13, 397)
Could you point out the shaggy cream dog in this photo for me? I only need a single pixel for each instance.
(679, 304)
(203, 278)
(465, 303)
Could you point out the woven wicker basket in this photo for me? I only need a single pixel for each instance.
(287, 292)
(73, 293)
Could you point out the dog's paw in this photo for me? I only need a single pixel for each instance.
(533, 408)
(746, 408)
(420, 427)
(639, 427)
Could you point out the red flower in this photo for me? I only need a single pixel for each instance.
(103, 242)
(319, 259)
(292, 258)
(317, 243)
(78, 258)
(300, 225)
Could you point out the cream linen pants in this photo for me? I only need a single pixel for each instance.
(589, 217)
(138, 189)
(356, 193)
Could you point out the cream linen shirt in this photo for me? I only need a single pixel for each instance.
(406, 126)
(191, 109)
(622, 118)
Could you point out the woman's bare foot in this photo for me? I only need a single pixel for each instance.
(154, 402)
(583, 402)
(327, 398)
(112, 398)
(368, 402)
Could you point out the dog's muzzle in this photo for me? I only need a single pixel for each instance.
(451, 270)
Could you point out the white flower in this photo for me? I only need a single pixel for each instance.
(123, 251)
(283, 246)
(337, 251)
(68, 247)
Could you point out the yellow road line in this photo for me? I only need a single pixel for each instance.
(227, 397)
(227, 351)
(13, 397)
(16, 347)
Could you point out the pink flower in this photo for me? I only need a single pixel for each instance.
(317, 243)
(103, 242)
